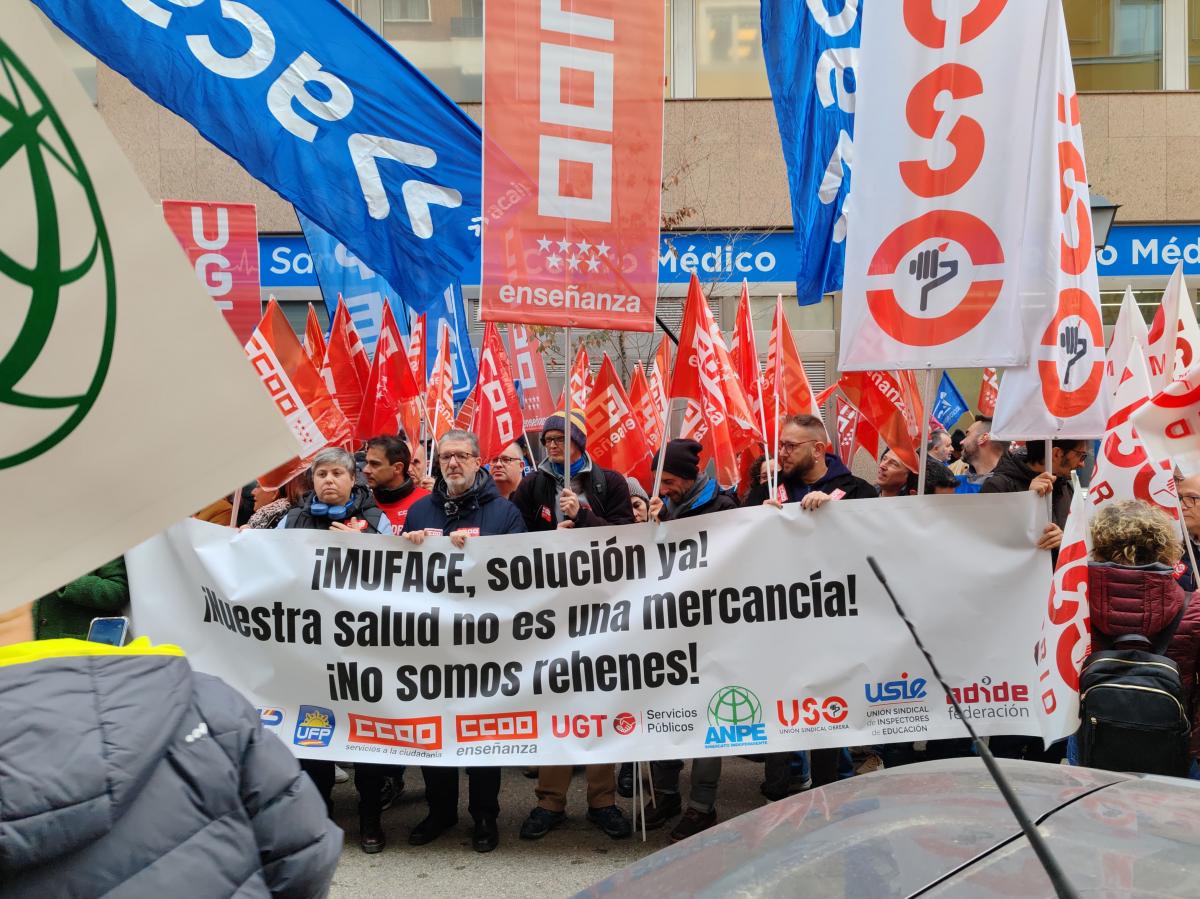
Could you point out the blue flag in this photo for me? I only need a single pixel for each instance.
(451, 311)
(950, 406)
(340, 272)
(318, 106)
(810, 59)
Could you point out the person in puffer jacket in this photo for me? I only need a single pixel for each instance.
(1132, 587)
(122, 771)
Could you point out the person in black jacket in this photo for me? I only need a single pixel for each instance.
(1020, 471)
(595, 496)
(464, 503)
(687, 490)
(809, 473)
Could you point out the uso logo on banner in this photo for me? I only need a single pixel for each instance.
(221, 242)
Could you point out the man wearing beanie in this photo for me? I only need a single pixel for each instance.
(685, 492)
(589, 496)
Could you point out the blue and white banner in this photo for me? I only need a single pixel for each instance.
(340, 273)
(811, 55)
(950, 405)
(316, 105)
(451, 312)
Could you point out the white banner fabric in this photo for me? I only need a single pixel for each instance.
(945, 116)
(754, 630)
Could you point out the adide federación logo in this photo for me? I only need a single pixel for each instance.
(734, 719)
(59, 277)
(314, 727)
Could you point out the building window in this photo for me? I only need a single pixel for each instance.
(406, 10)
(1193, 27)
(729, 54)
(1116, 45)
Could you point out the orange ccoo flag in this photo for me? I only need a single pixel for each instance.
(744, 355)
(786, 390)
(660, 376)
(615, 436)
(314, 339)
(581, 382)
(298, 390)
(439, 398)
(498, 417)
(645, 408)
(389, 398)
(890, 401)
(465, 419)
(416, 351)
(344, 375)
(744, 430)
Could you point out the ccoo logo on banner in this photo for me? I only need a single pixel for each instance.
(945, 112)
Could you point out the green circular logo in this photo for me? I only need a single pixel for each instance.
(57, 277)
(734, 705)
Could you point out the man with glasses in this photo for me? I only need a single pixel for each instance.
(1027, 470)
(809, 473)
(464, 503)
(1189, 501)
(507, 469)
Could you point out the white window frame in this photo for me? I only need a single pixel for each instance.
(428, 14)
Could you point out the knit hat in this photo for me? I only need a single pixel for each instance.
(557, 422)
(636, 489)
(682, 459)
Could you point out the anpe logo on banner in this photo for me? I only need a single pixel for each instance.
(314, 726)
(502, 726)
(734, 719)
(411, 733)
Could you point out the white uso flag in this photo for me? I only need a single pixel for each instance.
(944, 127)
(126, 402)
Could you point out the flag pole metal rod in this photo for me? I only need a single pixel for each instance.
(569, 363)
(924, 457)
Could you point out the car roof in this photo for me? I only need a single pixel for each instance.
(936, 828)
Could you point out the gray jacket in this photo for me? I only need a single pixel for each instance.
(129, 773)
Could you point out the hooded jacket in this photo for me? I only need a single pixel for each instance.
(1145, 600)
(123, 770)
(1012, 474)
(837, 477)
(365, 508)
(481, 508)
(604, 497)
(704, 497)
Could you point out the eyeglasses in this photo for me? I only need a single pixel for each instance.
(553, 441)
(506, 460)
(461, 458)
(1188, 500)
(786, 447)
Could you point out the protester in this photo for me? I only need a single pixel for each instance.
(938, 479)
(1189, 502)
(1019, 471)
(464, 503)
(126, 773)
(69, 610)
(386, 467)
(337, 503)
(941, 446)
(687, 491)
(893, 477)
(595, 496)
(507, 469)
(981, 453)
(808, 472)
(957, 465)
(639, 500)
(418, 470)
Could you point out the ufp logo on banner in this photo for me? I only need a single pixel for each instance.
(581, 247)
(944, 114)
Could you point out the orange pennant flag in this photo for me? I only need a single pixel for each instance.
(989, 389)
(341, 368)
(660, 376)
(416, 351)
(786, 390)
(465, 419)
(581, 381)
(744, 430)
(645, 408)
(439, 398)
(744, 354)
(498, 419)
(615, 436)
(890, 401)
(390, 390)
(299, 392)
(314, 338)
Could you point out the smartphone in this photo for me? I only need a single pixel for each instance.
(108, 630)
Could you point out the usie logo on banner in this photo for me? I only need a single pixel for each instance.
(221, 242)
(573, 103)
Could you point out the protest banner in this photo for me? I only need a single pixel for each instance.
(575, 100)
(935, 251)
(221, 242)
(113, 359)
(754, 630)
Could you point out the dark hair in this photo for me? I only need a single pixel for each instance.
(957, 438)
(938, 475)
(393, 447)
(1035, 450)
(935, 435)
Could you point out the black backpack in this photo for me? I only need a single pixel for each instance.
(1133, 709)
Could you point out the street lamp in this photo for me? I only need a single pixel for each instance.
(1104, 211)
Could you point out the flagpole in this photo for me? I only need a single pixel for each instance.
(924, 458)
(569, 365)
(662, 449)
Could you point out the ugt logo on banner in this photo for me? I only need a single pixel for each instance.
(573, 103)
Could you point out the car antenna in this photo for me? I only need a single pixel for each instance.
(1049, 863)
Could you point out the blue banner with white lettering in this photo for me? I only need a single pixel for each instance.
(341, 273)
(451, 311)
(810, 55)
(950, 405)
(318, 106)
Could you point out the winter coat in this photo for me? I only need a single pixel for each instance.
(480, 509)
(69, 610)
(704, 497)
(837, 477)
(1145, 600)
(122, 770)
(301, 516)
(396, 502)
(1012, 474)
(605, 497)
